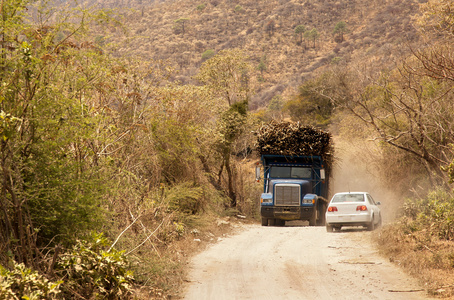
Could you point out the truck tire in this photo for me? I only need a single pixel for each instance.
(280, 222)
(313, 219)
(321, 215)
(272, 222)
(264, 221)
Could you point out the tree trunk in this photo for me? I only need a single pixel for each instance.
(230, 179)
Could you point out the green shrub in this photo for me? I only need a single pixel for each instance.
(434, 214)
(94, 272)
(239, 9)
(208, 54)
(186, 198)
(24, 283)
(201, 7)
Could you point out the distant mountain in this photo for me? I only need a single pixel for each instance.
(185, 32)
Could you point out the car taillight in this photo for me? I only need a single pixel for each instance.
(361, 208)
(332, 208)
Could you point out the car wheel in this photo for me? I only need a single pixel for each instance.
(329, 228)
(371, 226)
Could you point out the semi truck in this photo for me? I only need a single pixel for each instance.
(295, 185)
(295, 188)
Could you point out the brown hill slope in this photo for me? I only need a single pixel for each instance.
(181, 31)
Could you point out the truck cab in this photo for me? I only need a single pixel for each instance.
(295, 188)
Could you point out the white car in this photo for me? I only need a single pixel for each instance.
(352, 209)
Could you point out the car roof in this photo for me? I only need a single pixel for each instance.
(346, 193)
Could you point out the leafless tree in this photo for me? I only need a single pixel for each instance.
(405, 109)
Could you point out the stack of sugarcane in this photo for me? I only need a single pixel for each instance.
(292, 138)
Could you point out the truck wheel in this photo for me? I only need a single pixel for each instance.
(272, 222)
(321, 217)
(313, 219)
(264, 221)
(280, 222)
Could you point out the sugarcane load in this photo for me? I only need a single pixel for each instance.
(296, 162)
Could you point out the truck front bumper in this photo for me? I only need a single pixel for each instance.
(287, 213)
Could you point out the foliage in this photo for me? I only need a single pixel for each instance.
(276, 104)
(312, 35)
(407, 110)
(420, 245)
(300, 30)
(208, 54)
(187, 198)
(180, 25)
(91, 141)
(227, 74)
(438, 14)
(309, 106)
(262, 67)
(339, 30)
(53, 186)
(239, 9)
(201, 7)
(24, 283)
(92, 270)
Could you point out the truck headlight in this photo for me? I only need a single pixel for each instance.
(266, 198)
(309, 199)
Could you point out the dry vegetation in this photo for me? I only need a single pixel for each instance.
(422, 252)
(376, 31)
(163, 177)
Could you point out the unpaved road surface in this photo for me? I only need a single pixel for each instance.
(297, 262)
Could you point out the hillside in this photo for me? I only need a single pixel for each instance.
(106, 161)
(182, 31)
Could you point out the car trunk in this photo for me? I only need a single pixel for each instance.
(347, 207)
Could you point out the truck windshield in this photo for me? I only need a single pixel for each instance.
(290, 172)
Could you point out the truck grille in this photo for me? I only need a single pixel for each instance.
(287, 194)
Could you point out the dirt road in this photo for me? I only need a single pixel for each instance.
(297, 262)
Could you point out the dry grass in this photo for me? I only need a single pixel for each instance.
(422, 255)
(163, 271)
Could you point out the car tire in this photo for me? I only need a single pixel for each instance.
(371, 226)
(329, 228)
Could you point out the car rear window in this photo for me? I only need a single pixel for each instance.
(348, 198)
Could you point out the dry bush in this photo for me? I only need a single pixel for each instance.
(428, 259)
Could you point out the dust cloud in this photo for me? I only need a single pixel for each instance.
(356, 169)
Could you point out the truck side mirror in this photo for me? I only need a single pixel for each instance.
(322, 174)
(257, 173)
